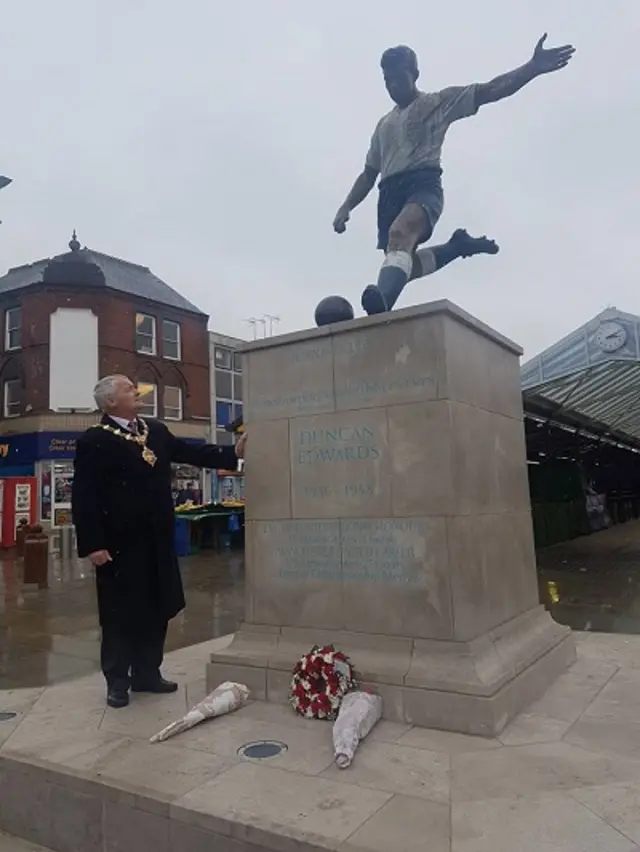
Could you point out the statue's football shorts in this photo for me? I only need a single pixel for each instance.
(422, 187)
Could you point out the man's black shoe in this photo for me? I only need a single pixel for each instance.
(117, 698)
(159, 686)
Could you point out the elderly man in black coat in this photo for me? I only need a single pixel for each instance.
(124, 517)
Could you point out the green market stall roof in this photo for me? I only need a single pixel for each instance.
(590, 380)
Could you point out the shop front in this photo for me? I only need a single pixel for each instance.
(48, 456)
(187, 485)
(54, 471)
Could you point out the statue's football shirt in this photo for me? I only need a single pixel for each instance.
(411, 138)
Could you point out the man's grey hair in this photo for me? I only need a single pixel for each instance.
(105, 390)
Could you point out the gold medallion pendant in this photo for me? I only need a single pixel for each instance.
(149, 456)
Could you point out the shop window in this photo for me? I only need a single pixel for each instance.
(237, 410)
(55, 492)
(46, 493)
(224, 384)
(172, 403)
(13, 328)
(148, 399)
(237, 362)
(12, 397)
(223, 358)
(145, 334)
(223, 413)
(171, 340)
(186, 484)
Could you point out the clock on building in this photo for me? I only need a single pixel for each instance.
(611, 336)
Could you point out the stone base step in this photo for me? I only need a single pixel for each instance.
(8, 843)
(70, 811)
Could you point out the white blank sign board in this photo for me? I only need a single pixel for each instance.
(73, 364)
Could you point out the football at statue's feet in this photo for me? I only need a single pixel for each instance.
(333, 309)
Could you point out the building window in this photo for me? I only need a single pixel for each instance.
(237, 388)
(13, 328)
(145, 334)
(171, 340)
(172, 403)
(148, 398)
(237, 362)
(223, 358)
(224, 384)
(223, 413)
(12, 394)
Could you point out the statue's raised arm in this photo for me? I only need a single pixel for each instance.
(544, 61)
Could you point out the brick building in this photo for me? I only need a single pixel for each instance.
(68, 320)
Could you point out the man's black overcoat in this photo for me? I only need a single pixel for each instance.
(124, 505)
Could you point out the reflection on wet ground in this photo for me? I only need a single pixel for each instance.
(48, 635)
(592, 583)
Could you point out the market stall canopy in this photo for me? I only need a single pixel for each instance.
(591, 378)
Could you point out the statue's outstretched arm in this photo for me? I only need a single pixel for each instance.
(543, 61)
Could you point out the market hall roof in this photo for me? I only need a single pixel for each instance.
(591, 377)
(86, 267)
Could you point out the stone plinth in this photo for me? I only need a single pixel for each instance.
(388, 512)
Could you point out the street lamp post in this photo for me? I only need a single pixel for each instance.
(4, 181)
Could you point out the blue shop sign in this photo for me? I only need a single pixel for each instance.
(33, 446)
(57, 445)
(16, 450)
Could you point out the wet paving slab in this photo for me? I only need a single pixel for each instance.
(51, 635)
(593, 583)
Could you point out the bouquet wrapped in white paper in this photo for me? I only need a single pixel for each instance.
(224, 699)
(359, 712)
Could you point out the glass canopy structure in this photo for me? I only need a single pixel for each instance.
(590, 379)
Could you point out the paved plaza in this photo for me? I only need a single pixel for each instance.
(51, 635)
(564, 777)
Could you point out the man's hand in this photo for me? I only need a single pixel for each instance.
(545, 61)
(240, 446)
(340, 222)
(100, 557)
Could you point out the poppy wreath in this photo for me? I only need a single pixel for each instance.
(320, 681)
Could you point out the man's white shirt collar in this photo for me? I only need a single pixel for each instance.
(126, 424)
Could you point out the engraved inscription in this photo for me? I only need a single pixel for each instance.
(350, 391)
(383, 551)
(318, 352)
(300, 403)
(386, 551)
(339, 466)
(347, 392)
(304, 550)
(351, 491)
(353, 345)
(337, 444)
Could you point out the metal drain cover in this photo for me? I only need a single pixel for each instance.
(262, 749)
(5, 715)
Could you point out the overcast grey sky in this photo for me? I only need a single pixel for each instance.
(214, 141)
